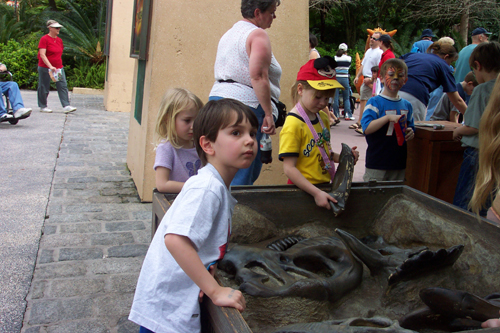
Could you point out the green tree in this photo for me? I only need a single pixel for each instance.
(83, 34)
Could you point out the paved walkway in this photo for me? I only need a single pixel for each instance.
(71, 205)
(73, 231)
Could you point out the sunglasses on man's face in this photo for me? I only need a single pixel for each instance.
(375, 39)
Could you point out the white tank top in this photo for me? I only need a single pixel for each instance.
(232, 63)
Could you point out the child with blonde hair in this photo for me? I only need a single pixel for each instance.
(176, 158)
(488, 174)
(305, 147)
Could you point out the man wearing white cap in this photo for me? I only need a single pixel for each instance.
(342, 69)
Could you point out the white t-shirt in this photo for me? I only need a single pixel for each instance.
(371, 58)
(232, 63)
(166, 299)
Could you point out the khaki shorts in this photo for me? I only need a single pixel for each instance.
(366, 93)
(383, 175)
(419, 108)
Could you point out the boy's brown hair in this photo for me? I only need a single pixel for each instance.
(375, 69)
(487, 55)
(470, 77)
(216, 115)
(394, 62)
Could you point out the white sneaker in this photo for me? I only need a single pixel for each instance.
(46, 110)
(69, 108)
(6, 116)
(22, 112)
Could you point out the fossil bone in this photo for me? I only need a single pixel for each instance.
(319, 268)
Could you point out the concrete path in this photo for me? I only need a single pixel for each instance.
(73, 232)
(341, 133)
(69, 204)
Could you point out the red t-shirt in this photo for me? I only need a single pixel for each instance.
(54, 47)
(388, 54)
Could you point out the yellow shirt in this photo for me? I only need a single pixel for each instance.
(296, 140)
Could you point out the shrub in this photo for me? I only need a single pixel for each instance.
(21, 59)
(86, 75)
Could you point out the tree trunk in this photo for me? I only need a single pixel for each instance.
(52, 5)
(464, 22)
(322, 25)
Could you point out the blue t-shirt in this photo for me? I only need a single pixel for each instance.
(421, 46)
(383, 152)
(462, 64)
(426, 72)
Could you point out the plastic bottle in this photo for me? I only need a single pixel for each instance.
(266, 149)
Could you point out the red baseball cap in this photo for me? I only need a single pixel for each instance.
(320, 74)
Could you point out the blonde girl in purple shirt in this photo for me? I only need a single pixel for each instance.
(176, 158)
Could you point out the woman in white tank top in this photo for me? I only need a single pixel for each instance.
(246, 70)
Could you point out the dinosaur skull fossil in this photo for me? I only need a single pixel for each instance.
(319, 268)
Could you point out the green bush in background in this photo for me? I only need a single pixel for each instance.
(86, 75)
(21, 60)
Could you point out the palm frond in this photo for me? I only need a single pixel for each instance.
(83, 35)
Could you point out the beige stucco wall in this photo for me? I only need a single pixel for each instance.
(183, 45)
(118, 86)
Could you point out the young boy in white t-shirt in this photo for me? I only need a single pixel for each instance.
(194, 233)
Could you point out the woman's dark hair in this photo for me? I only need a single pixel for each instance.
(313, 41)
(216, 115)
(388, 44)
(248, 7)
(340, 52)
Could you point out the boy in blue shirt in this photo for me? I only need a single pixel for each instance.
(385, 158)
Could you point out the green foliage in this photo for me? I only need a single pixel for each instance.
(83, 32)
(9, 28)
(404, 39)
(346, 21)
(86, 75)
(21, 59)
(459, 42)
(326, 51)
(17, 27)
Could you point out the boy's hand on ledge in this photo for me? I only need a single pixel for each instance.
(229, 297)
